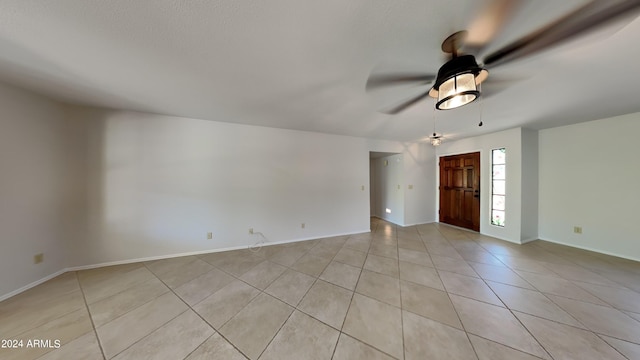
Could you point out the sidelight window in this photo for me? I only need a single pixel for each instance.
(498, 188)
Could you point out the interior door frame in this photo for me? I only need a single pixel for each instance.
(481, 185)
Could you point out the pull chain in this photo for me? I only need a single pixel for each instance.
(434, 121)
(480, 88)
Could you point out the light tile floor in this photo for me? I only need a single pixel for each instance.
(422, 292)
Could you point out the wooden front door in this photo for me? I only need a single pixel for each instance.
(460, 190)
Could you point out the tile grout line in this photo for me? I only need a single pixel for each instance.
(517, 319)
(404, 349)
(49, 321)
(296, 307)
(352, 296)
(143, 264)
(93, 325)
(551, 300)
(207, 339)
(613, 347)
(505, 307)
(449, 297)
(188, 308)
(260, 290)
(512, 314)
(353, 293)
(580, 322)
(450, 239)
(266, 258)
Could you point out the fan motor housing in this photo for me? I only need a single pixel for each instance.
(457, 65)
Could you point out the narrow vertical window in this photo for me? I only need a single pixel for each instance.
(498, 180)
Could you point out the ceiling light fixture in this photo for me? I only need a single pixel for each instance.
(457, 82)
(458, 79)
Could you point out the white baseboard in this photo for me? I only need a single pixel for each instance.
(503, 239)
(150, 258)
(528, 240)
(416, 224)
(592, 249)
(460, 228)
(160, 257)
(33, 284)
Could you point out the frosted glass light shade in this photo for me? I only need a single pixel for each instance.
(457, 91)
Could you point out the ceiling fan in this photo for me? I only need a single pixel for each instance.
(458, 80)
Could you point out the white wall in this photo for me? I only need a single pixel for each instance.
(588, 177)
(512, 141)
(419, 163)
(89, 186)
(529, 202)
(41, 187)
(373, 188)
(158, 184)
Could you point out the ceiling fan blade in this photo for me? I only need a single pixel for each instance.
(399, 108)
(489, 22)
(490, 89)
(588, 17)
(375, 81)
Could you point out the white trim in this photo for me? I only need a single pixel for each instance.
(528, 240)
(461, 152)
(477, 232)
(503, 239)
(159, 257)
(383, 219)
(33, 284)
(151, 258)
(459, 228)
(592, 250)
(169, 256)
(418, 224)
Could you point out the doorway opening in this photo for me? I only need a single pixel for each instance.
(460, 190)
(386, 193)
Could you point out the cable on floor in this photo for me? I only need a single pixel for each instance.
(258, 245)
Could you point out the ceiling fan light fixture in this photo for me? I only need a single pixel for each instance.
(457, 91)
(457, 82)
(435, 139)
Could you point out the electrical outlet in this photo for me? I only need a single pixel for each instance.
(577, 229)
(209, 235)
(410, 187)
(362, 187)
(38, 258)
(251, 231)
(302, 225)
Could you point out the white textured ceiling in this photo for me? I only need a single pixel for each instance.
(303, 64)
